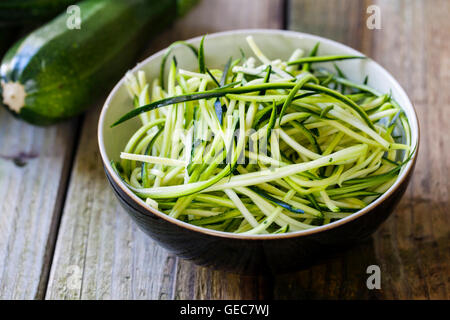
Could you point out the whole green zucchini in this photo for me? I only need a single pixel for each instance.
(55, 72)
(24, 11)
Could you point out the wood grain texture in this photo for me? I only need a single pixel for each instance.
(100, 253)
(412, 247)
(34, 165)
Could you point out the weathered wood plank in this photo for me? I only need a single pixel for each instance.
(340, 20)
(419, 233)
(412, 247)
(100, 253)
(215, 15)
(34, 166)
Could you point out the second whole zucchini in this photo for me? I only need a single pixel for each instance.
(28, 11)
(55, 72)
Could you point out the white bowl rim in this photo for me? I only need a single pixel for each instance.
(403, 174)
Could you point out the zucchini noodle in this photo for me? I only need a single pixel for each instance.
(274, 147)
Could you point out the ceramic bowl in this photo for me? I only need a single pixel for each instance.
(244, 253)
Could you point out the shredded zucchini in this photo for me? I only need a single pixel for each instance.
(257, 149)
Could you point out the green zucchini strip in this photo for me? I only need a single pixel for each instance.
(166, 56)
(324, 59)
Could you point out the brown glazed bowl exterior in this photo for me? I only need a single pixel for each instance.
(258, 253)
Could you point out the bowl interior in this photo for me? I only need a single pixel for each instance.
(218, 48)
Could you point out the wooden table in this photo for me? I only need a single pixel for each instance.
(64, 236)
